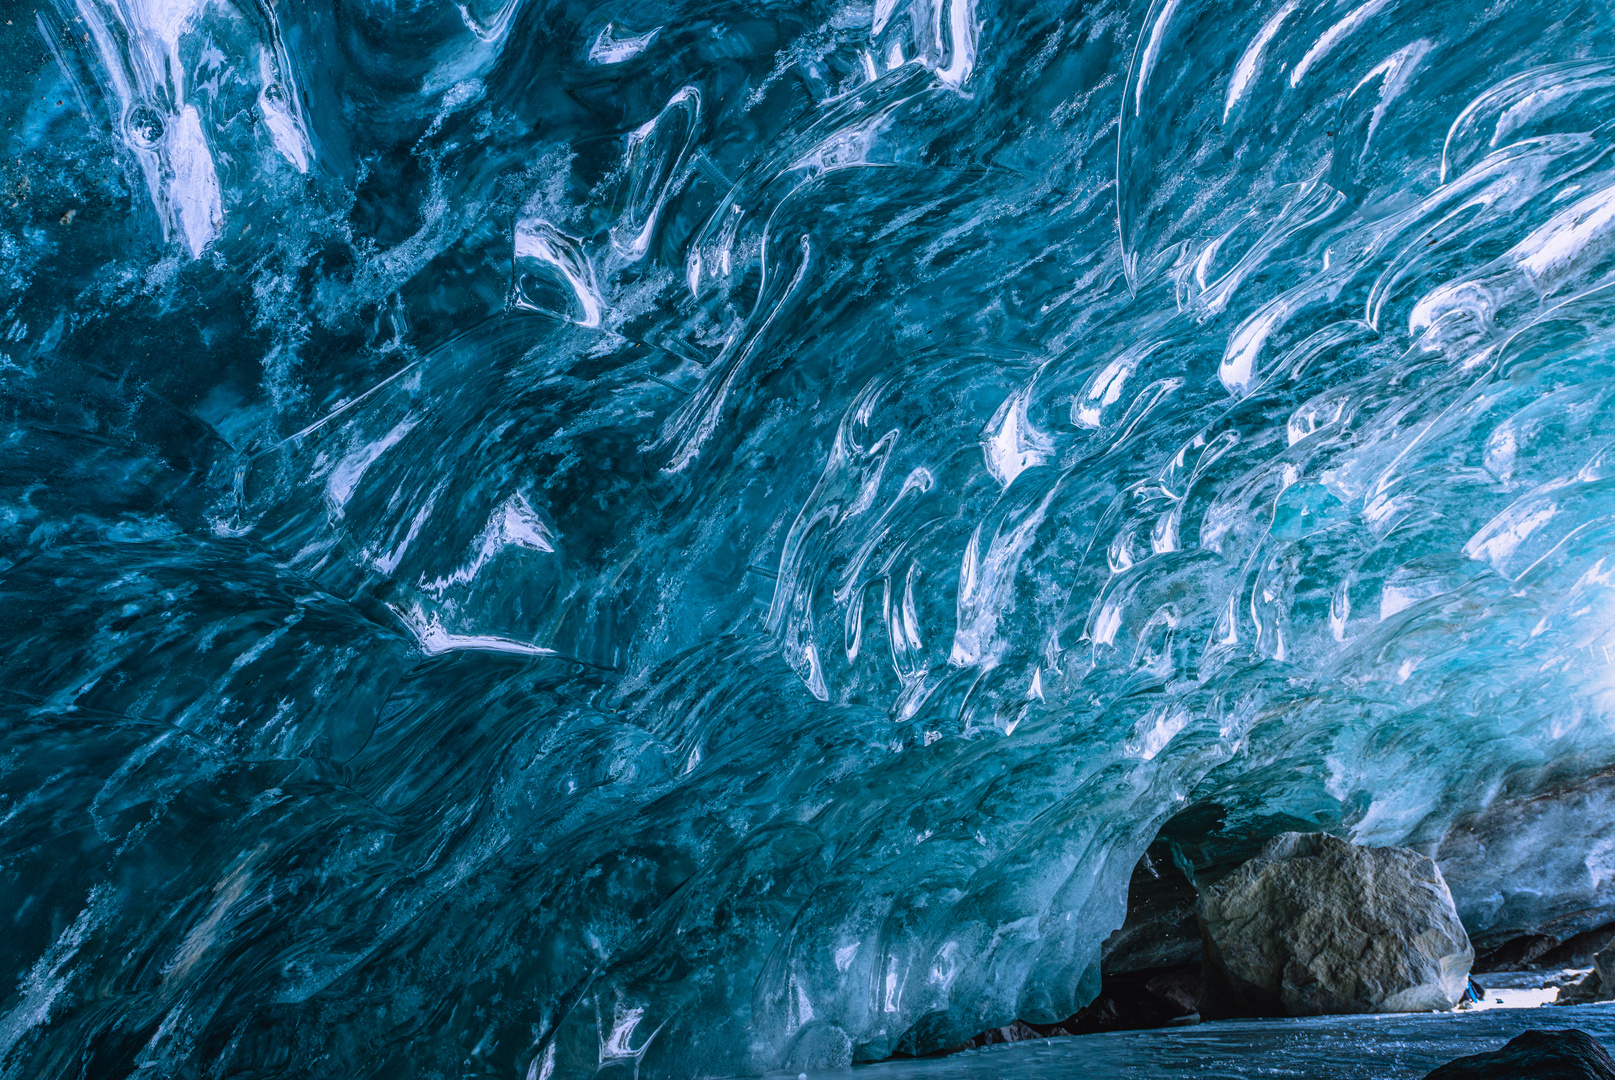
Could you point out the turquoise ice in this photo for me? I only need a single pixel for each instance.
(690, 538)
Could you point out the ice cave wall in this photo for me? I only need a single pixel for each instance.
(690, 538)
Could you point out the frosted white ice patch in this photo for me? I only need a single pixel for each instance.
(1012, 445)
(1579, 234)
(1155, 730)
(986, 588)
(1497, 542)
(1034, 692)
(801, 1010)
(386, 564)
(945, 968)
(1152, 52)
(542, 1066)
(881, 15)
(195, 188)
(540, 251)
(351, 469)
(490, 22)
(610, 49)
(281, 116)
(653, 164)
(1106, 625)
(1104, 390)
(167, 20)
(1600, 862)
(959, 45)
(618, 1045)
(50, 975)
(434, 640)
(285, 131)
(1249, 62)
(513, 524)
(1471, 298)
(1395, 72)
(1238, 368)
(1334, 36)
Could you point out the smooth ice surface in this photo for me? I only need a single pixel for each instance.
(1402, 1047)
(695, 537)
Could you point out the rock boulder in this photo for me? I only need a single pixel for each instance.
(1541, 1055)
(1314, 925)
(1599, 985)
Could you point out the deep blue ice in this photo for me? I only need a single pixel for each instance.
(682, 538)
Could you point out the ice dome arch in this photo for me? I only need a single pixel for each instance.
(724, 554)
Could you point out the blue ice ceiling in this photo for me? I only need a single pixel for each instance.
(687, 538)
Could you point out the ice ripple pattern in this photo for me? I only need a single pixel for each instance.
(692, 538)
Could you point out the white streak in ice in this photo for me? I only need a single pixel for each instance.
(196, 184)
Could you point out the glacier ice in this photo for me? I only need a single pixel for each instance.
(688, 539)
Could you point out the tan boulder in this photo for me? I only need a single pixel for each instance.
(1314, 926)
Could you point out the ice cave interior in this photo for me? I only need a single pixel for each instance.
(695, 538)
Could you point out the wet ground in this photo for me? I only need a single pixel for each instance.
(1399, 1047)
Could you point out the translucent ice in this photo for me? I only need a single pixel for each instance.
(695, 538)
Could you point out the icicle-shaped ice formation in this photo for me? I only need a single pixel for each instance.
(698, 538)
